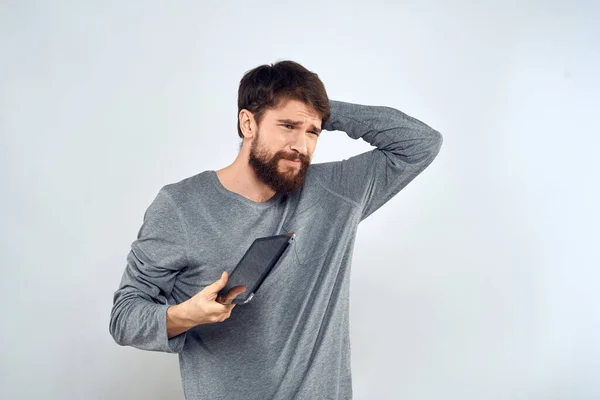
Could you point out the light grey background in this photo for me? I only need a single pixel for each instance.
(478, 281)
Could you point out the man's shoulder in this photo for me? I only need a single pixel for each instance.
(189, 187)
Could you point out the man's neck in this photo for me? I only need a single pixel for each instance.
(241, 179)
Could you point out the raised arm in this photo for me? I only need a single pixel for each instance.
(404, 145)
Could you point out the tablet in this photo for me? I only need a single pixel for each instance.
(260, 258)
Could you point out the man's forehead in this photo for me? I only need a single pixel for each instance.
(295, 109)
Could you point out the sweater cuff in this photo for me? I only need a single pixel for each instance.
(173, 345)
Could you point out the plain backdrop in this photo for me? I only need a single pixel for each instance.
(478, 281)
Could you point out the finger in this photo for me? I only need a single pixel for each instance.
(231, 295)
(224, 310)
(235, 291)
(229, 307)
(224, 300)
(216, 286)
(218, 308)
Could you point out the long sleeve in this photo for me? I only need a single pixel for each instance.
(138, 316)
(404, 147)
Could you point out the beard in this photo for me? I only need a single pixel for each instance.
(268, 171)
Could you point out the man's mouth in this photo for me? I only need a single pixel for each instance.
(293, 162)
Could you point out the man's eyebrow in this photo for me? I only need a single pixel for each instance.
(295, 123)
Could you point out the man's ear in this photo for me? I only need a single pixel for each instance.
(247, 123)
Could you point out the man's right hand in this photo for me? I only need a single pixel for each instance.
(205, 307)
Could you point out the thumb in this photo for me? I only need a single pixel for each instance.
(219, 284)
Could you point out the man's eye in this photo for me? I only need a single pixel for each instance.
(288, 125)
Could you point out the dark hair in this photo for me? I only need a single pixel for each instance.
(267, 86)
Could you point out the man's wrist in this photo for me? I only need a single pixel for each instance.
(330, 125)
(179, 316)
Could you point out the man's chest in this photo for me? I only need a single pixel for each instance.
(217, 241)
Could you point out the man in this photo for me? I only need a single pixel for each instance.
(292, 340)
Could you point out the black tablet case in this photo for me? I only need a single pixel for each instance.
(262, 255)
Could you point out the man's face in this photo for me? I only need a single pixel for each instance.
(281, 150)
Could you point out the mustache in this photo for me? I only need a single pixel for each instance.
(293, 157)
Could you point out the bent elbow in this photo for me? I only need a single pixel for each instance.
(116, 328)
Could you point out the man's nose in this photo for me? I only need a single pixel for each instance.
(299, 144)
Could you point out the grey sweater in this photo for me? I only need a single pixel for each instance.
(292, 340)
